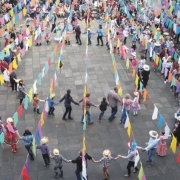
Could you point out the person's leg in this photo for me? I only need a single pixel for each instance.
(98, 41)
(78, 174)
(45, 159)
(12, 85)
(101, 40)
(130, 164)
(69, 115)
(64, 116)
(82, 119)
(21, 100)
(56, 172)
(113, 112)
(52, 111)
(29, 150)
(101, 115)
(151, 156)
(77, 40)
(15, 86)
(61, 172)
(89, 117)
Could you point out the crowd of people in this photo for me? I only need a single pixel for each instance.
(155, 34)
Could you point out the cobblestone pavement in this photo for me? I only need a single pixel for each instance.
(67, 137)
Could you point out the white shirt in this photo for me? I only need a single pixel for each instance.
(125, 33)
(141, 63)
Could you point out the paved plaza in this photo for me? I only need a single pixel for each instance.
(67, 135)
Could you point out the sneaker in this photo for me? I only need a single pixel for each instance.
(64, 119)
(70, 118)
(97, 44)
(56, 175)
(76, 42)
(52, 114)
(101, 44)
(80, 43)
(165, 82)
(91, 123)
(99, 120)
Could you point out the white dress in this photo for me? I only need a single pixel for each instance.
(6, 75)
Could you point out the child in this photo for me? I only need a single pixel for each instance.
(102, 107)
(106, 159)
(36, 102)
(162, 147)
(51, 104)
(47, 37)
(89, 36)
(45, 150)
(58, 158)
(135, 104)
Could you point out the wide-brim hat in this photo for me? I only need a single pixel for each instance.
(53, 95)
(88, 29)
(9, 120)
(153, 134)
(147, 27)
(178, 118)
(56, 152)
(158, 29)
(17, 80)
(166, 33)
(134, 32)
(134, 53)
(146, 67)
(44, 140)
(157, 44)
(136, 93)
(106, 153)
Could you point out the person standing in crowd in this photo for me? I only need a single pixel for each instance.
(176, 131)
(100, 35)
(67, 98)
(51, 104)
(28, 20)
(106, 159)
(6, 37)
(13, 78)
(113, 99)
(21, 91)
(151, 148)
(58, 158)
(53, 20)
(28, 140)
(86, 105)
(36, 102)
(102, 107)
(132, 153)
(78, 162)
(78, 33)
(135, 103)
(11, 136)
(145, 73)
(45, 150)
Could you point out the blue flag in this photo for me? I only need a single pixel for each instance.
(160, 123)
(15, 117)
(37, 137)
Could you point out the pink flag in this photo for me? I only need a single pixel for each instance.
(2, 20)
(20, 15)
(39, 128)
(45, 114)
(22, 52)
(143, 176)
(20, 38)
(10, 128)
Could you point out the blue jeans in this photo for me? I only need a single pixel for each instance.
(124, 116)
(101, 115)
(89, 41)
(78, 175)
(89, 117)
(113, 112)
(151, 154)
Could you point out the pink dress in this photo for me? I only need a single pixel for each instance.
(162, 147)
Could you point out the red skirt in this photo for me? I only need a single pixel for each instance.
(11, 138)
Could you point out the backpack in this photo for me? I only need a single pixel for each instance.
(103, 106)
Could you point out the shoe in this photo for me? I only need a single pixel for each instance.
(126, 175)
(60, 175)
(101, 44)
(40, 44)
(70, 118)
(49, 114)
(135, 171)
(108, 48)
(32, 159)
(34, 109)
(147, 160)
(80, 43)
(64, 119)
(99, 120)
(165, 82)
(76, 42)
(56, 175)
(52, 114)
(91, 123)
(36, 44)
(97, 44)
(120, 122)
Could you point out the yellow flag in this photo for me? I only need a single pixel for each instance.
(171, 9)
(13, 20)
(30, 42)
(84, 91)
(157, 60)
(120, 92)
(84, 144)
(24, 11)
(7, 50)
(118, 43)
(173, 144)
(19, 57)
(30, 94)
(42, 119)
(136, 80)
(8, 26)
(129, 128)
(50, 91)
(162, 38)
(11, 12)
(1, 79)
(15, 66)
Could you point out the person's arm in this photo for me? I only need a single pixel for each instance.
(98, 160)
(76, 103)
(56, 103)
(75, 161)
(62, 99)
(64, 159)
(151, 145)
(126, 157)
(81, 100)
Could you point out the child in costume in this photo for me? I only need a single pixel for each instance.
(36, 102)
(89, 33)
(135, 104)
(47, 37)
(102, 107)
(51, 104)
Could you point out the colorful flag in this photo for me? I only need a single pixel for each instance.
(173, 144)
(20, 110)
(24, 174)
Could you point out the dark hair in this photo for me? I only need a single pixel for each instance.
(104, 99)
(27, 133)
(142, 56)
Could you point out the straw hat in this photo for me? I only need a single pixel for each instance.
(88, 29)
(136, 93)
(157, 44)
(53, 95)
(147, 27)
(106, 153)
(56, 152)
(9, 120)
(134, 53)
(166, 33)
(153, 134)
(14, 50)
(21, 25)
(178, 118)
(158, 29)
(44, 140)
(146, 67)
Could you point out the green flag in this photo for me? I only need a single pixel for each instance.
(34, 146)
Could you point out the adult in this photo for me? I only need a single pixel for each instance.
(11, 136)
(152, 146)
(132, 154)
(78, 162)
(145, 75)
(86, 105)
(176, 131)
(53, 20)
(13, 78)
(28, 139)
(113, 99)
(21, 91)
(78, 33)
(58, 158)
(100, 35)
(6, 37)
(28, 20)
(67, 98)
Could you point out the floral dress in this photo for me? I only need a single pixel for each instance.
(162, 147)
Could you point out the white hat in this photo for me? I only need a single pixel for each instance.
(9, 120)
(53, 95)
(134, 53)
(44, 140)
(56, 152)
(146, 67)
(106, 153)
(178, 118)
(157, 44)
(153, 134)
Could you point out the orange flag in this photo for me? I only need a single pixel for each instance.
(115, 67)
(119, 85)
(144, 94)
(55, 51)
(143, 41)
(154, 31)
(1, 31)
(158, 12)
(10, 67)
(170, 77)
(133, 73)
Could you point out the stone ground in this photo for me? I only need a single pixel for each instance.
(68, 136)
